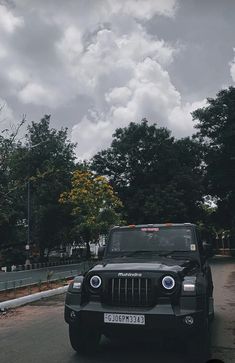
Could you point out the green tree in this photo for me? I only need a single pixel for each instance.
(8, 143)
(94, 205)
(158, 178)
(216, 132)
(9, 197)
(44, 166)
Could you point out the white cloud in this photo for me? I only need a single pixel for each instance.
(118, 96)
(119, 66)
(103, 51)
(87, 133)
(8, 21)
(143, 9)
(71, 44)
(232, 68)
(38, 94)
(18, 75)
(125, 77)
(109, 62)
(153, 95)
(148, 94)
(93, 12)
(180, 119)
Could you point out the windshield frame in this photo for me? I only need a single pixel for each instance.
(122, 253)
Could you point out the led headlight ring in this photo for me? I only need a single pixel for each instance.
(168, 282)
(95, 282)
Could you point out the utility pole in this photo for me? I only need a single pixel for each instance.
(28, 245)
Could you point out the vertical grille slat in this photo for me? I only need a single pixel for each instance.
(146, 290)
(119, 289)
(139, 291)
(126, 290)
(113, 281)
(130, 291)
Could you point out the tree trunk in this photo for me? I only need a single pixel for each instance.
(88, 251)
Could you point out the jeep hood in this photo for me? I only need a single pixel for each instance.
(166, 265)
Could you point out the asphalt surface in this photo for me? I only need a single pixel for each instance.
(20, 278)
(37, 333)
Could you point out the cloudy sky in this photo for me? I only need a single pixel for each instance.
(96, 65)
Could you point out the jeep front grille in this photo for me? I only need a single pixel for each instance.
(130, 292)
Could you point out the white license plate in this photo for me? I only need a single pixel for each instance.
(131, 319)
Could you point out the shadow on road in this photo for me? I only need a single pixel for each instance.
(135, 352)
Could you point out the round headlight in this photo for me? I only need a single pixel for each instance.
(95, 282)
(168, 282)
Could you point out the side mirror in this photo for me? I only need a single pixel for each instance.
(208, 249)
(101, 252)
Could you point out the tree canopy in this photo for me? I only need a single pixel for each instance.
(216, 132)
(10, 200)
(145, 176)
(94, 205)
(43, 163)
(157, 177)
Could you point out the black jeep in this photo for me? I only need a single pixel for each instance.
(154, 280)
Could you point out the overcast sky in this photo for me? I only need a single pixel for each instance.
(96, 65)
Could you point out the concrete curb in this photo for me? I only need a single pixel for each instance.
(30, 298)
(46, 265)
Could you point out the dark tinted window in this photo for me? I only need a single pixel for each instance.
(152, 239)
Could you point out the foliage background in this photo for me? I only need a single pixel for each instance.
(145, 176)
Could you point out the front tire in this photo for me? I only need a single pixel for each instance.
(83, 340)
(199, 345)
(211, 309)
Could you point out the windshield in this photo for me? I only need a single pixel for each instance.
(154, 239)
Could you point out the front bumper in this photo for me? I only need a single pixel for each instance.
(162, 318)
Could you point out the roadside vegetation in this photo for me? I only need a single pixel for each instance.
(49, 199)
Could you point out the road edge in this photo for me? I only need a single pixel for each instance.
(31, 298)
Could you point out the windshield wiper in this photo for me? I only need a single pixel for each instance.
(168, 253)
(137, 252)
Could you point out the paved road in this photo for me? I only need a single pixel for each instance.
(9, 279)
(37, 333)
